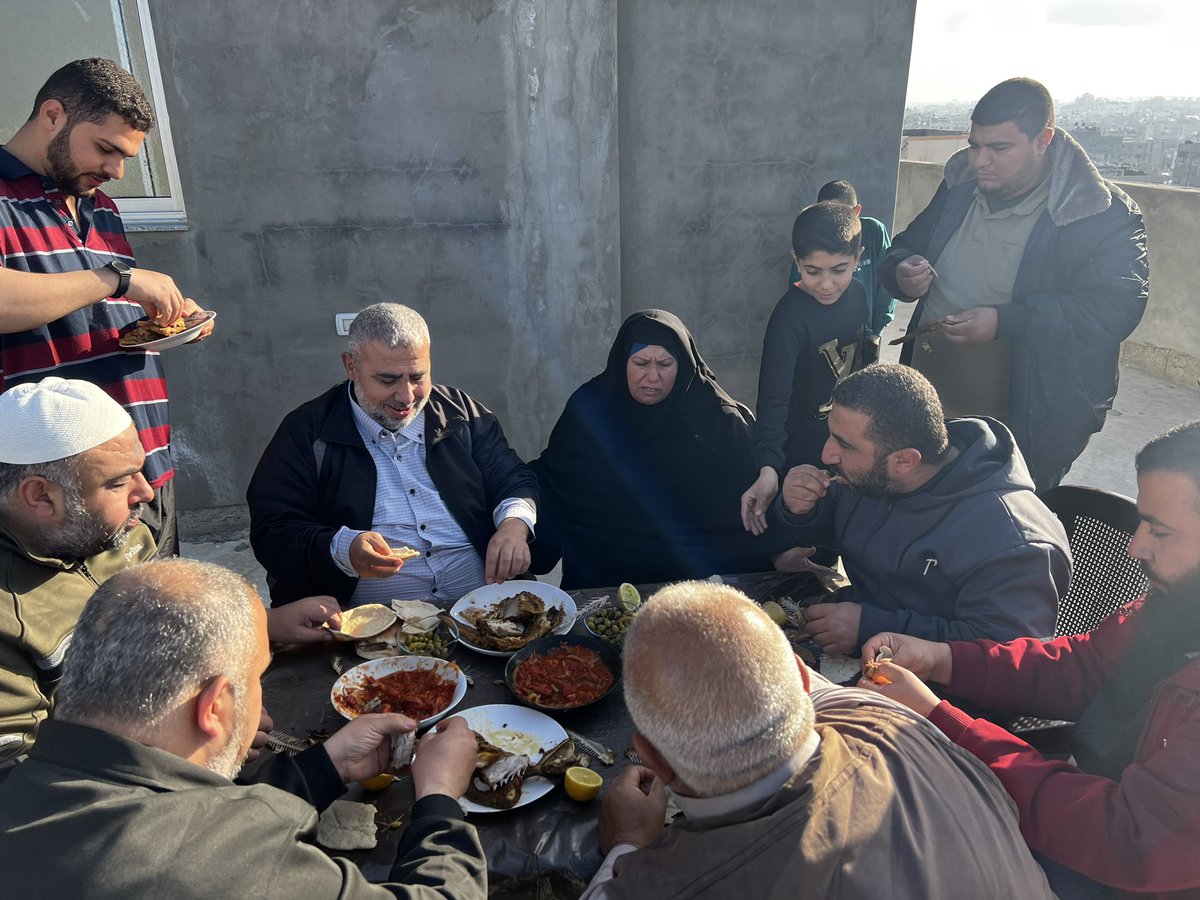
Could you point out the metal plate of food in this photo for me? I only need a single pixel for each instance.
(500, 619)
(563, 672)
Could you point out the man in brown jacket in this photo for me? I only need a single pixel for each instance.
(784, 794)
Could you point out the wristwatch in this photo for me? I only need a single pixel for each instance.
(124, 274)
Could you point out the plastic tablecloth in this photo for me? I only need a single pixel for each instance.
(552, 833)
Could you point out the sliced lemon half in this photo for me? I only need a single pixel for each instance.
(629, 597)
(582, 784)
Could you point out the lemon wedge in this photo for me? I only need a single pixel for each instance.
(582, 784)
(629, 597)
(377, 783)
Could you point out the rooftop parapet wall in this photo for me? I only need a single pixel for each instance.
(1167, 342)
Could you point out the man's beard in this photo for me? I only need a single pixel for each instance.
(229, 759)
(1186, 586)
(874, 483)
(82, 534)
(376, 413)
(62, 169)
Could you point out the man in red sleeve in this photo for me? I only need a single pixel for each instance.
(67, 273)
(1127, 814)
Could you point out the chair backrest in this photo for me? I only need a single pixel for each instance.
(1105, 577)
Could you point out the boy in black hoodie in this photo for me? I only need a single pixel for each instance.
(813, 341)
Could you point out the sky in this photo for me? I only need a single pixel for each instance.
(1110, 48)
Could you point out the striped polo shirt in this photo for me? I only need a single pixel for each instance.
(37, 234)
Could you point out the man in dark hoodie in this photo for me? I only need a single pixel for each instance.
(937, 523)
(1041, 273)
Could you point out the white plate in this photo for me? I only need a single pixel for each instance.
(490, 593)
(174, 340)
(378, 668)
(517, 729)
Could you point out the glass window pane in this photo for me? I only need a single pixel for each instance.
(39, 36)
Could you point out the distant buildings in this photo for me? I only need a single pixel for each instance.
(1187, 165)
(931, 144)
(1155, 139)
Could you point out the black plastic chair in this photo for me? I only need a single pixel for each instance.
(1104, 577)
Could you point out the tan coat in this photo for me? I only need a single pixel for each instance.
(884, 809)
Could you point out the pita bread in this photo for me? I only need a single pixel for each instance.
(404, 552)
(417, 616)
(346, 825)
(366, 621)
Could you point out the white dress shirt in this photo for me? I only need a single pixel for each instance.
(409, 511)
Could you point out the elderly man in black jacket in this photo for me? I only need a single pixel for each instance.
(1041, 273)
(384, 460)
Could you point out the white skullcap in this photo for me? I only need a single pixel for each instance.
(56, 418)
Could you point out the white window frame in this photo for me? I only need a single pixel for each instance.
(153, 213)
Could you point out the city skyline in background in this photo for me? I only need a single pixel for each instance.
(1108, 48)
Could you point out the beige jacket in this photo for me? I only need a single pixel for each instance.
(884, 808)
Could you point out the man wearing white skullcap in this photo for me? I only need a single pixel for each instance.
(71, 495)
(71, 486)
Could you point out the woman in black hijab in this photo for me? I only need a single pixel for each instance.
(643, 475)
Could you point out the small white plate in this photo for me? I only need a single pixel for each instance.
(489, 594)
(516, 729)
(175, 340)
(378, 668)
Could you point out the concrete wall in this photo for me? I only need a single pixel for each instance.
(733, 115)
(1167, 342)
(465, 158)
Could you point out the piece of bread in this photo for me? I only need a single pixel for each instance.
(366, 621)
(404, 552)
(346, 825)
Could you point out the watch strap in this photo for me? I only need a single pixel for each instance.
(124, 276)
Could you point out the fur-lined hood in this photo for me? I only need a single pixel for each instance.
(1077, 190)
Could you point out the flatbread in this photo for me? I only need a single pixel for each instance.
(366, 621)
(404, 552)
(417, 616)
(346, 825)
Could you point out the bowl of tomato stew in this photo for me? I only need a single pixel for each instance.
(563, 672)
(420, 687)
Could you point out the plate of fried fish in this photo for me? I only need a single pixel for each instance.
(519, 751)
(500, 619)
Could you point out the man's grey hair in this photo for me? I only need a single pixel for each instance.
(713, 684)
(150, 637)
(63, 472)
(390, 324)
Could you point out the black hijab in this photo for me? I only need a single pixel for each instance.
(645, 493)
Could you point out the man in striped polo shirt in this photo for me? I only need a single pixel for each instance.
(67, 273)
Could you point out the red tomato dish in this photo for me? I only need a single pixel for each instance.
(417, 694)
(564, 677)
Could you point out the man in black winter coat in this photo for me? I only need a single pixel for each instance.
(1041, 272)
(387, 460)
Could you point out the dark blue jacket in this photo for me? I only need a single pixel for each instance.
(973, 553)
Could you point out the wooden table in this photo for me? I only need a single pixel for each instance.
(552, 833)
